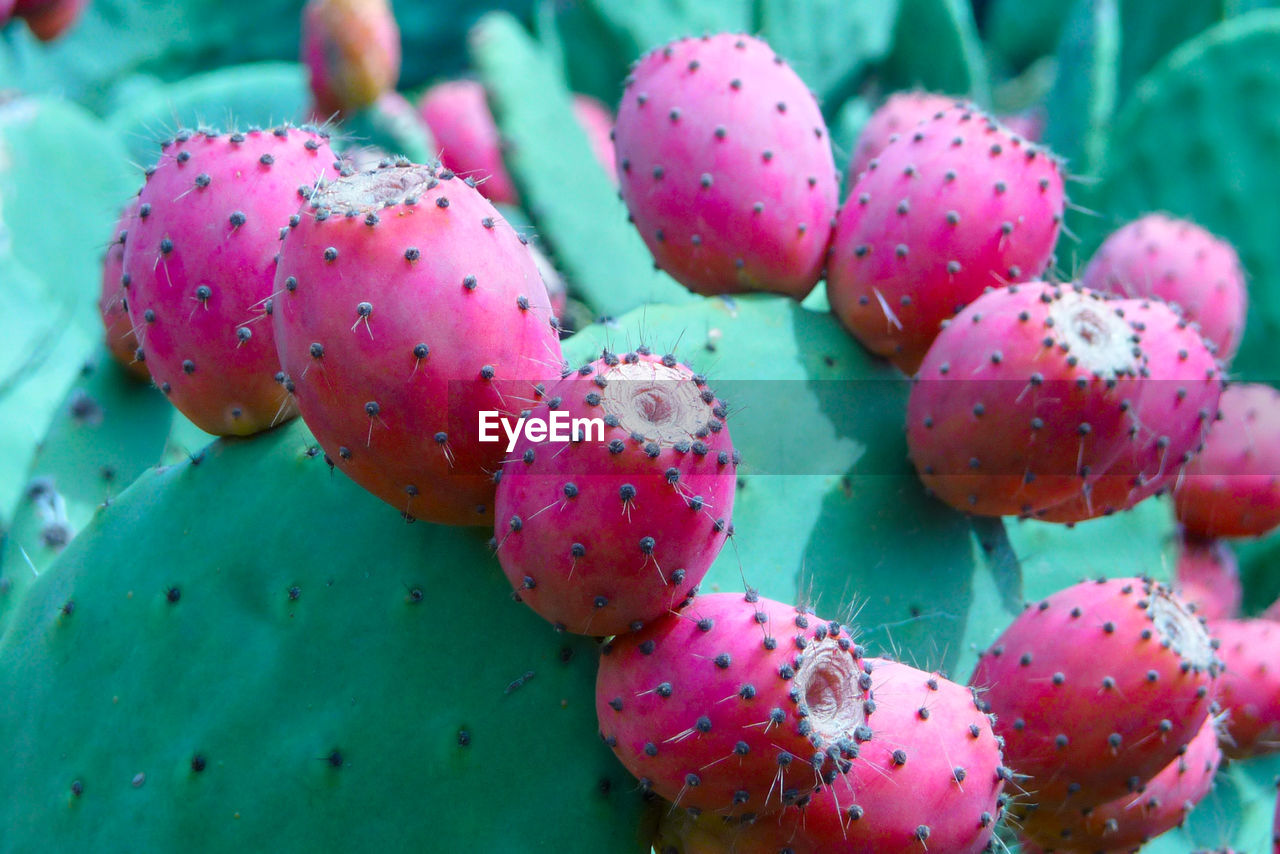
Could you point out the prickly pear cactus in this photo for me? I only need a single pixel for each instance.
(208, 643)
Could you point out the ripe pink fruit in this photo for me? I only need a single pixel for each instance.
(933, 740)
(1024, 397)
(201, 259)
(726, 167)
(406, 306)
(1097, 685)
(957, 206)
(1182, 263)
(1207, 576)
(1232, 489)
(1126, 823)
(352, 49)
(899, 114)
(458, 115)
(738, 704)
(1177, 400)
(113, 305)
(930, 779)
(1249, 687)
(603, 535)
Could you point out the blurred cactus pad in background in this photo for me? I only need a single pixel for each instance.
(223, 628)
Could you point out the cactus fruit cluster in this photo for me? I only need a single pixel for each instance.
(865, 443)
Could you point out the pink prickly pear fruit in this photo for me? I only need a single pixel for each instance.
(597, 120)
(899, 114)
(1128, 822)
(405, 307)
(955, 207)
(1024, 397)
(352, 50)
(47, 19)
(1232, 488)
(113, 303)
(1182, 263)
(1249, 687)
(201, 261)
(617, 527)
(737, 704)
(1096, 686)
(1207, 576)
(725, 165)
(1176, 403)
(931, 740)
(458, 115)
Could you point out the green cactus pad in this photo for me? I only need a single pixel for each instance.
(568, 195)
(50, 274)
(1153, 30)
(1083, 98)
(249, 652)
(828, 509)
(1140, 541)
(1199, 138)
(38, 138)
(1231, 8)
(106, 431)
(261, 94)
(116, 37)
(185, 440)
(1259, 570)
(642, 25)
(828, 42)
(1022, 31)
(936, 47)
(37, 361)
(577, 38)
